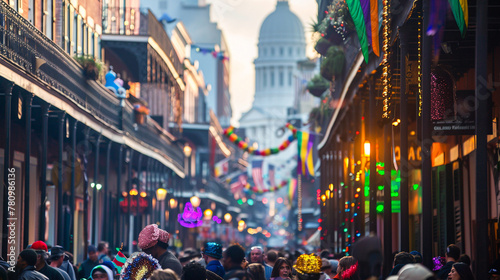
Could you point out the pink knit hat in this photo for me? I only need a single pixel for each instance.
(150, 236)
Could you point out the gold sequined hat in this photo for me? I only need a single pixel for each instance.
(308, 264)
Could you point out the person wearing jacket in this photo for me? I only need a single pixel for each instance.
(25, 266)
(212, 253)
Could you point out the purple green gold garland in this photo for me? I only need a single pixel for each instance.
(249, 188)
(139, 266)
(229, 133)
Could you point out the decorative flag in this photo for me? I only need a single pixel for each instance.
(358, 18)
(374, 26)
(221, 167)
(237, 183)
(272, 183)
(305, 165)
(292, 185)
(257, 173)
(460, 9)
(119, 260)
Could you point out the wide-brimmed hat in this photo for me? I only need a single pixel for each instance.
(414, 272)
(56, 252)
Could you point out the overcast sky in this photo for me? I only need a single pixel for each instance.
(240, 20)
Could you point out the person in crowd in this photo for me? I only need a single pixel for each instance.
(154, 241)
(368, 252)
(212, 253)
(460, 271)
(326, 268)
(101, 272)
(282, 269)
(233, 257)
(25, 267)
(58, 258)
(271, 257)
(164, 274)
(188, 255)
(86, 267)
(256, 270)
(257, 256)
(417, 256)
(193, 271)
(452, 255)
(401, 259)
(464, 258)
(333, 270)
(413, 272)
(494, 272)
(103, 251)
(347, 269)
(213, 276)
(308, 267)
(325, 254)
(41, 264)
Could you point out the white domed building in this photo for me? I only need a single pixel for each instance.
(281, 46)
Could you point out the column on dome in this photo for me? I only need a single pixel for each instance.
(281, 77)
(264, 77)
(272, 77)
(290, 76)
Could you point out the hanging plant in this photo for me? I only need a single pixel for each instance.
(91, 67)
(337, 23)
(322, 46)
(317, 85)
(333, 63)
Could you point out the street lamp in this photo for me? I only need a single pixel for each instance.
(195, 201)
(173, 203)
(161, 194)
(187, 150)
(228, 218)
(367, 149)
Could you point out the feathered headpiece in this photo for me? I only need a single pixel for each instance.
(348, 273)
(140, 266)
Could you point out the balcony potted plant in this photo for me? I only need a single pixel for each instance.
(141, 111)
(333, 63)
(317, 85)
(91, 66)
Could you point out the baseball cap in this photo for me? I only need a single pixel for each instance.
(56, 252)
(414, 272)
(39, 246)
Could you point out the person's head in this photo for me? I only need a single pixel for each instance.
(282, 268)
(164, 274)
(193, 271)
(403, 258)
(414, 272)
(42, 251)
(417, 256)
(272, 256)
(464, 258)
(211, 251)
(92, 252)
(26, 258)
(153, 240)
(56, 256)
(101, 272)
(326, 266)
(348, 268)
(103, 247)
(233, 256)
(308, 267)
(460, 271)
(368, 252)
(256, 254)
(453, 252)
(325, 254)
(257, 271)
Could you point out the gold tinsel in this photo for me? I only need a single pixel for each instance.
(308, 264)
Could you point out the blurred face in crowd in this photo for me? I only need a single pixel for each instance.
(256, 255)
(93, 256)
(99, 275)
(285, 270)
(453, 275)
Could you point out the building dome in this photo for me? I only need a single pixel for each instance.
(282, 26)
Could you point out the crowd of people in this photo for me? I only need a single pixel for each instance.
(213, 262)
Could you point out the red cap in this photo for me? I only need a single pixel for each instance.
(39, 245)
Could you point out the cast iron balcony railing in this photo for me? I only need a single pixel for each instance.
(139, 22)
(21, 44)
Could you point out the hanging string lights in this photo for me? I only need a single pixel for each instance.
(419, 73)
(386, 73)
